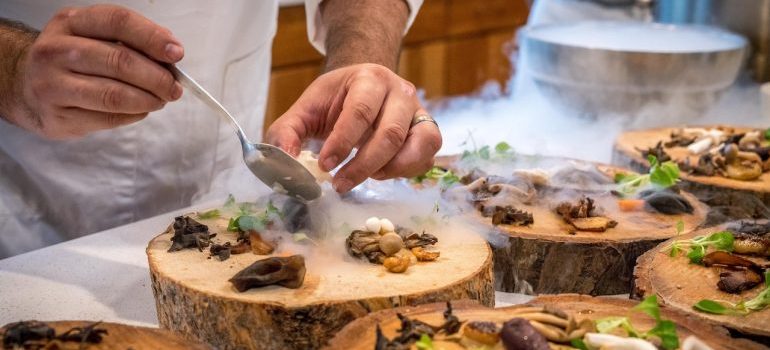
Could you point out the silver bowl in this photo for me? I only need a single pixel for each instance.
(625, 68)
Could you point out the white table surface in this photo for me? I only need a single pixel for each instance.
(102, 276)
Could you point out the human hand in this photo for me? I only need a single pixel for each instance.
(365, 106)
(95, 68)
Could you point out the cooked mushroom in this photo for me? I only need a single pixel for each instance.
(609, 341)
(391, 243)
(583, 216)
(258, 245)
(296, 215)
(518, 334)
(413, 239)
(512, 192)
(483, 332)
(656, 151)
(288, 272)
(751, 139)
(396, 264)
(189, 233)
(667, 202)
(509, 215)
(751, 244)
(222, 251)
(736, 281)
(423, 255)
(744, 166)
(365, 244)
(722, 258)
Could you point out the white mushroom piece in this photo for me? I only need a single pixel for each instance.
(599, 341)
(693, 343)
(752, 139)
(705, 139)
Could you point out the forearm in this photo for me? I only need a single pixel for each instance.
(15, 39)
(363, 31)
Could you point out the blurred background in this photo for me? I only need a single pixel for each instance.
(565, 77)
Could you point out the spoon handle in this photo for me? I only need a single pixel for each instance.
(209, 100)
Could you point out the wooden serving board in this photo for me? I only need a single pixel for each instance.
(193, 295)
(626, 153)
(361, 333)
(544, 258)
(120, 336)
(680, 284)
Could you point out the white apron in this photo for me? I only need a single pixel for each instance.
(52, 191)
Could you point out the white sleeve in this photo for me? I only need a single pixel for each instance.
(316, 28)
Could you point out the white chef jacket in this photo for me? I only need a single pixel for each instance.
(52, 191)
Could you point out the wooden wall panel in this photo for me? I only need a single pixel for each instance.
(453, 48)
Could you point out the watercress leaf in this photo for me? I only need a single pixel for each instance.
(466, 154)
(578, 344)
(696, 254)
(652, 160)
(484, 152)
(665, 330)
(675, 250)
(665, 175)
(211, 214)
(608, 324)
(711, 307)
(722, 240)
(248, 222)
(679, 227)
(232, 225)
(425, 343)
(767, 134)
(649, 306)
(502, 147)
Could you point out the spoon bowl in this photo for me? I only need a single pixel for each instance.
(272, 165)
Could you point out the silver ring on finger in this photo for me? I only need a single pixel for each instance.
(419, 118)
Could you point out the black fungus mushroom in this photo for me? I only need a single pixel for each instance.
(288, 272)
(295, 215)
(88, 334)
(667, 202)
(189, 233)
(19, 333)
(221, 251)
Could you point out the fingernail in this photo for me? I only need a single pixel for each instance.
(177, 92)
(378, 175)
(342, 185)
(330, 163)
(174, 52)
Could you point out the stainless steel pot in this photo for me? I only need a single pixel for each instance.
(592, 78)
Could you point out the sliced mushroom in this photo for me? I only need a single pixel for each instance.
(288, 272)
(519, 334)
(483, 332)
(594, 224)
(751, 244)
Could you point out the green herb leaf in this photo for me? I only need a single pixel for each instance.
(608, 324)
(425, 343)
(649, 306)
(232, 225)
(578, 343)
(445, 178)
(711, 307)
(230, 201)
(696, 254)
(722, 240)
(502, 147)
(767, 134)
(679, 227)
(665, 174)
(211, 214)
(484, 152)
(665, 330)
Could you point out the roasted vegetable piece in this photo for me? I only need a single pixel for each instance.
(736, 281)
(668, 202)
(189, 233)
(482, 332)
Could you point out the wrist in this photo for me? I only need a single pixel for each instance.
(15, 41)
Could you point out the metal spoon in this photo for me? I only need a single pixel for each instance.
(276, 168)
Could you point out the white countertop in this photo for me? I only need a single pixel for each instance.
(102, 276)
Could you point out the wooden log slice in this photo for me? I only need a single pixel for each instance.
(193, 295)
(120, 336)
(544, 258)
(742, 198)
(680, 284)
(361, 333)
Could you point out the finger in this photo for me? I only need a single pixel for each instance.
(287, 133)
(82, 121)
(417, 155)
(103, 95)
(359, 112)
(114, 23)
(94, 57)
(389, 136)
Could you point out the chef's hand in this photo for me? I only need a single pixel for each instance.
(365, 106)
(96, 68)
